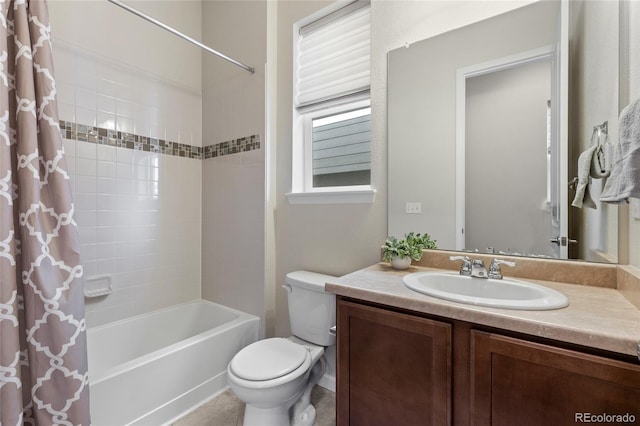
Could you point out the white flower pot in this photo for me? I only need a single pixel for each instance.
(400, 262)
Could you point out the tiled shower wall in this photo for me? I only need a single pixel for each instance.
(138, 200)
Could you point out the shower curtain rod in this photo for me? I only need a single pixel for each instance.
(181, 35)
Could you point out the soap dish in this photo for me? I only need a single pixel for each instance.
(97, 285)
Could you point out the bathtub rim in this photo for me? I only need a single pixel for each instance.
(242, 317)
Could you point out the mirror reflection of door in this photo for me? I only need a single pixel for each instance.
(507, 166)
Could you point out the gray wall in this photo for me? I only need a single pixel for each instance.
(338, 239)
(233, 186)
(594, 64)
(332, 239)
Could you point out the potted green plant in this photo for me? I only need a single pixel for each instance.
(400, 253)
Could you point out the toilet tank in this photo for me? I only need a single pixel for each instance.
(312, 311)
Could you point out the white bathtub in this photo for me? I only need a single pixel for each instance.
(152, 368)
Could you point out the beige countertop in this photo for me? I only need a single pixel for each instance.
(596, 317)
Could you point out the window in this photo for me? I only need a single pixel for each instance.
(332, 127)
(340, 149)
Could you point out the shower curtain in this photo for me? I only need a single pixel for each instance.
(43, 361)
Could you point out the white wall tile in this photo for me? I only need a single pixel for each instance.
(66, 111)
(131, 205)
(172, 131)
(66, 92)
(106, 120)
(86, 150)
(86, 98)
(124, 186)
(106, 104)
(124, 233)
(106, 234)
(124, 156)
(125, 108)
(106, 251)
(88, 251)
(106, 185)
(124, 124)
(86, 184)
(85, 218)
(106, 153)
(106, 169)
(107, 218)
(107, 87)
(88, 266)
(88, 235)
(157, 131)
(85, 201)
(142, 127)
(106, 202)
(85, 72)
(69, 147)
(124, 201)
(86, 116)
(126, 92)
(124, 170)
(86, 167)
(105, 266)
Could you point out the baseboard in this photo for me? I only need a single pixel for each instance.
(328, 382)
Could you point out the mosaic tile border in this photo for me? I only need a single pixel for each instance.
(102, 136)
(234, 146)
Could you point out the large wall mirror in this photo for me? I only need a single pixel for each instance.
(486, 124)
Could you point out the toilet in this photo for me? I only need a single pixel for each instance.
(274, 376)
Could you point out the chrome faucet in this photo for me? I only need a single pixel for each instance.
(475, 268)
(478, 270)
(471, 268)
(494, 268)
(465, 268)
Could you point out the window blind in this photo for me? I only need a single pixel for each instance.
(333, 57)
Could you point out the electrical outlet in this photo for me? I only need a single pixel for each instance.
(413, 208)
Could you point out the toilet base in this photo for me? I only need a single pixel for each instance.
(254, 416)
(306, 417)
(303, 412)
(299, 413)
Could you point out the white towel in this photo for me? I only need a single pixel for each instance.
(582, 197)
(624, 181)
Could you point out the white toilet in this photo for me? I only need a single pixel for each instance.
(274, 377)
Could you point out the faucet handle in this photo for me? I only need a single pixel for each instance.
(465, 269)
(494, 268)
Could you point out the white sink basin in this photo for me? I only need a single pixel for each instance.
(505, 293)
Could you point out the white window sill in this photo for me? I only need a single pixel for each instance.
(364, 196)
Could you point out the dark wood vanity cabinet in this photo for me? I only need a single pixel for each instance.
(517, 382)
(392, 368)
(399, 368)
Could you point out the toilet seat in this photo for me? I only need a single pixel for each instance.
(269, 359)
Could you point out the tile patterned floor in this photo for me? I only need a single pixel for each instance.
(227, 410)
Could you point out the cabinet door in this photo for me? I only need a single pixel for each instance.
(392, 369)
(515, 382)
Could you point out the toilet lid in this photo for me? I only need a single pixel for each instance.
(268, 359)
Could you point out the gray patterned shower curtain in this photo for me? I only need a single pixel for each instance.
(43, 355)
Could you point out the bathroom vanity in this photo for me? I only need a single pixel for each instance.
(407, 358)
